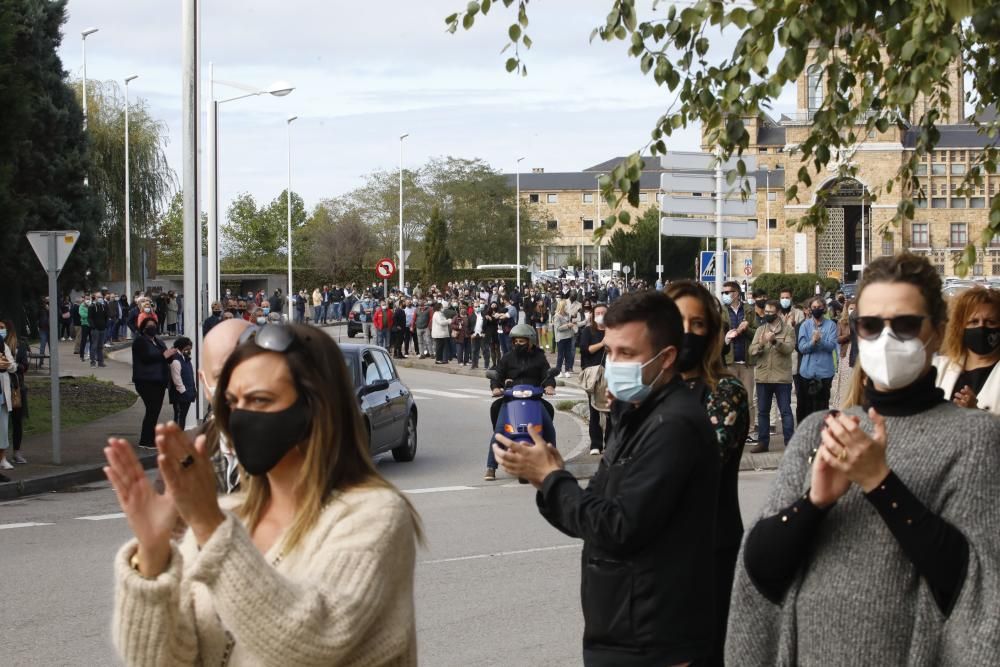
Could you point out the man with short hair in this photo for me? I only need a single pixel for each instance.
(743, 322)
(98, 317)
(647, 517)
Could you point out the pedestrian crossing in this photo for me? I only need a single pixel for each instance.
(483, 394)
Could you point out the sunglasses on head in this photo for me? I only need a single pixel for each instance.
(271, 337)
(903, 327)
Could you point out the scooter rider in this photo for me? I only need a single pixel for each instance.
(525, 364)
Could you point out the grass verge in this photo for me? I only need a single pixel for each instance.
(82, 400)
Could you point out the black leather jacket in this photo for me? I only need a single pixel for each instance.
(532, 369)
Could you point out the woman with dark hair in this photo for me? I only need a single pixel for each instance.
(592, 355)
(182, 387)
(8, 374)
(150, 375)
(968, 371)
(19, 348)
(727, 403)
(311, 564)
(878, 542)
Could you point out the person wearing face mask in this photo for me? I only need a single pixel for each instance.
(759, 302)
(8, 379)
(98, 321)
(213, 319)
(882, 516)
(150, 375)
(967, 368)
(491, 333)
(181, 390)
(440, 333)
(846, 354)
(592, 356)
(525, 364)
(648, 516)
(771, 350)
(816, 343)
(146, 313)
(312, 562)
(743, 325)
(85, 330)
(475, 323)
(725, 401)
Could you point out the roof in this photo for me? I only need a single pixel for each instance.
(952, 136)
(575, 180)
(771, 136)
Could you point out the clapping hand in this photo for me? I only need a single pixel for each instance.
(531, 462)
(848, 449)
(187, 471)
(966, 398)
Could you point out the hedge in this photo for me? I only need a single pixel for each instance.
(803, 285)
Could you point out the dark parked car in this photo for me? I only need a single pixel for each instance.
(354, 324)
(388, 407)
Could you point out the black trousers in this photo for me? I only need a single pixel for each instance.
(598, 435)
(476, 343)
(64, 327)
(151, 394)
(85, 342)
(441, 349)
(396, 338)
(17, 422)
(812, 397)
(407, 337)
(181, 412)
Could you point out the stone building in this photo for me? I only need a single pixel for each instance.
(943, 220)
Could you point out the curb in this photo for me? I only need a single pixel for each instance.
(84, 474)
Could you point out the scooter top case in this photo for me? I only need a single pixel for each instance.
(524, 410)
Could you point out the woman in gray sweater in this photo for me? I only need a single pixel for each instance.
(878, 544)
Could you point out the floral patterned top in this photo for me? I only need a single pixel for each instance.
(729, 411)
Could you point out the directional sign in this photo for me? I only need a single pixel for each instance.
(748, 267)
(702, 228)
(704, 182)
(696, 161)
(385, 268)
(708, 265)
(686, 205)
(65, 241)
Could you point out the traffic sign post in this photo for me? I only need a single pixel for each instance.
(52, 249)
(708, 266)
(748, 267)
(385, 269)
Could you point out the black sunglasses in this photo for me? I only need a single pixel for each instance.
(271, 337)
(903, 327)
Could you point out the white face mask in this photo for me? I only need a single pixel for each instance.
(890, 362)
(599, 320)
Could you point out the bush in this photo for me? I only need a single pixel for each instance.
(803, 285)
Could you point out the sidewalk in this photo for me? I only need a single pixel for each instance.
(82, 447)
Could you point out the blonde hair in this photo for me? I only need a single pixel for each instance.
(960, 309)
(336, 451)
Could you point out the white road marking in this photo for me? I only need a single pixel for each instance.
(478, 392)
(101, 517)
(4, 526)
(443, 394)
(440, 489)
(501, 554)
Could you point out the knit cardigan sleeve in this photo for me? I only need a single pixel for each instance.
(360, 564)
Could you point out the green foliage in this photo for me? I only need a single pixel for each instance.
(260, 235)
(878, 60)
(803, 285)
(167, 242)
(638, 245)
(44, 156)
(437, 260)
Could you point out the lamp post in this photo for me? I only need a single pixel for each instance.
(517, 216)
(86, 33)
(128, 208)
(278, 89)
(288, 198)
(767, 216)
(598, 223)
(402, 260)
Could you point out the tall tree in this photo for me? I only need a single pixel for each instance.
(637, 245)
(338, 242)
(437, 259)
(883, 65)
(43, 158)
(167, 241)
(152, 181)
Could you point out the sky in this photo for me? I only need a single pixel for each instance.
(366, 72)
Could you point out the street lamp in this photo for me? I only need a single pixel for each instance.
(767, 216)
(278, 89)
(598, 223)
(518, 220)
(402, 261)
(128, 208)
(86, 33)
(288, 198)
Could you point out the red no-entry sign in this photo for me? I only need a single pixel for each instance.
(385, 268)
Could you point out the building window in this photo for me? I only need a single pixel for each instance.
(995, 241)
(939, 202)
(814, 86)
(772, 196)
(762, 149)
(959, 235)
(643, 197)
(957, 169)
(887, 244)
(919, 203)
(939, 169)
(977, 270)
(552, 225)
(958, 202)
(588, 197)
(919, 236)
(871, 134)
(533, 199)
(977, 202)
(772, 223)
(921, 170)
(939, 268)
(552, 198)
(588, 224)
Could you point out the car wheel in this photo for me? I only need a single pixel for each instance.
(408, 450)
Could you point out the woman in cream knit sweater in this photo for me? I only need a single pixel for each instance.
(313, 565)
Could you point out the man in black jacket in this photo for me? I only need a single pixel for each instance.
(647, 518)
(98, 327)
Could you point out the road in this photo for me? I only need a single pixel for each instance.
(496, 585)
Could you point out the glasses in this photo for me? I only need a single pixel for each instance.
(903, 327)
(271, 337)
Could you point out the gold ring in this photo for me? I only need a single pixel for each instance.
(843, 454)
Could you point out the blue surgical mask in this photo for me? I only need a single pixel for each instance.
(727, 299)
(786, 303)
(267, 311)
(624, 379)
(3, 334)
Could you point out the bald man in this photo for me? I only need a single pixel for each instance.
(219, 344)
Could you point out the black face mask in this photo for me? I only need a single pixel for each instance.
(521, 350)
(818, 313)
(217, 313)
(692, 352)
(149, 331)
(770, 318)
(262, 439)
(983, 341)
(761, 303)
